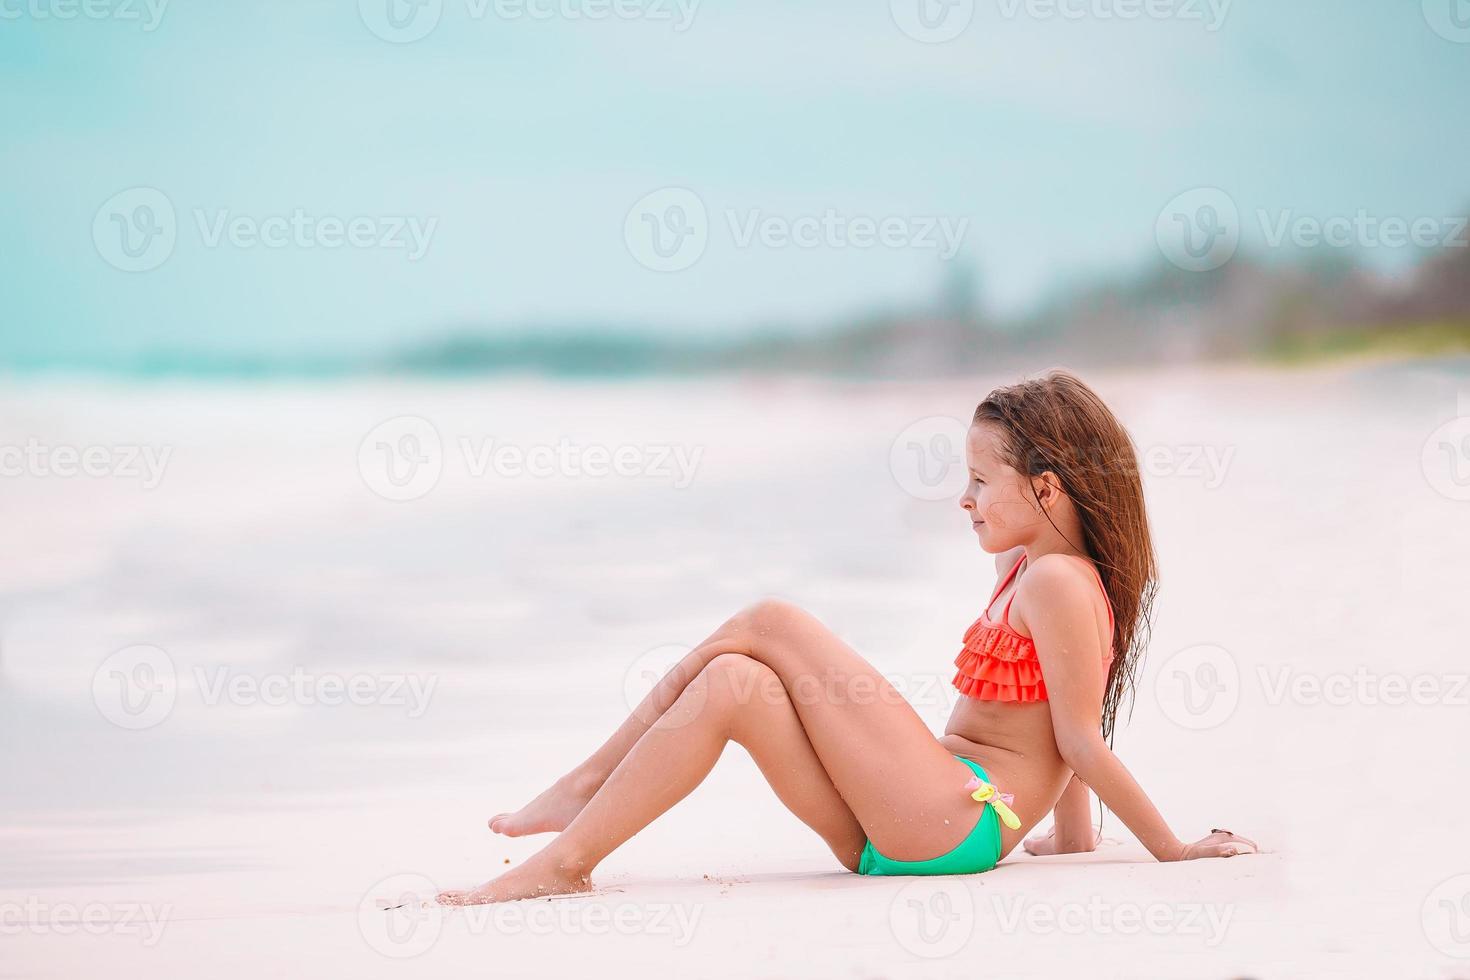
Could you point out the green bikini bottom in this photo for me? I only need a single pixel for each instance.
(977, 852)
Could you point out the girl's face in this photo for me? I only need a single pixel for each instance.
(998, 498)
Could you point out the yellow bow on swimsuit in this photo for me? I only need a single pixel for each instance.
(986, 793)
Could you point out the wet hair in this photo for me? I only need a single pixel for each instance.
(1058, 424)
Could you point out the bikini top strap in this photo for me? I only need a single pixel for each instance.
(1005, 614)
(1005, 580)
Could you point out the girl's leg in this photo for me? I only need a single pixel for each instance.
(559, 804)
(734, 699)
(904, 788)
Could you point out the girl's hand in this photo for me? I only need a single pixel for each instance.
(1220, 844)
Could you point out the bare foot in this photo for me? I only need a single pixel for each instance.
(539, 877)
(551, 811)
(1046, 844)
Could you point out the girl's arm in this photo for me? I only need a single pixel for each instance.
(1073, 817)
(1072, 831)
(1056, 602)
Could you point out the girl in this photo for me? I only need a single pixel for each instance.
(1054, 492)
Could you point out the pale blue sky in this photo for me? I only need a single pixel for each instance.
(1058, 139)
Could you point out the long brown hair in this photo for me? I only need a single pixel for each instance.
(1057, 424)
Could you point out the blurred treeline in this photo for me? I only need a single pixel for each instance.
(1324, 305)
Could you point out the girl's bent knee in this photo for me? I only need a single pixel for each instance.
(735, 680)
(767, 616)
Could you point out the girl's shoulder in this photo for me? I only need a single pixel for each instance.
(1055, 580)
(1058, 564)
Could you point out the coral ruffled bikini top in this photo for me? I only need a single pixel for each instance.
(999, 664)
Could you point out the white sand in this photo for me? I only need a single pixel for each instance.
(261, 835)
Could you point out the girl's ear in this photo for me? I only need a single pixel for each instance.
(1048, 489)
